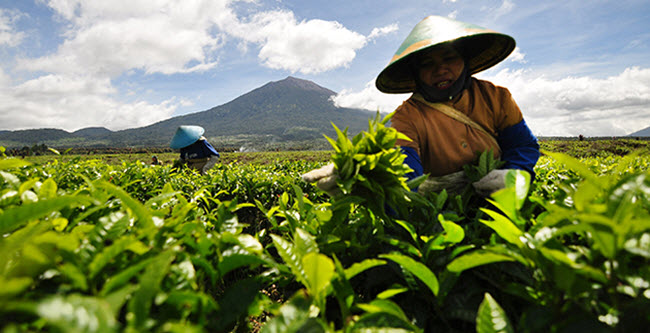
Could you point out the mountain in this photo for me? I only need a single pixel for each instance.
(643, 132)
(93, 132)
(286, 112)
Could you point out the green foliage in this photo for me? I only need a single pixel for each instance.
(87, 246)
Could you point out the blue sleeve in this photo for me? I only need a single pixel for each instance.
(519, 148)
(413, 161)
(208, 150)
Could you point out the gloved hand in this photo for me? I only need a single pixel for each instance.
(325, 178)
(492, 182)
(454, 183)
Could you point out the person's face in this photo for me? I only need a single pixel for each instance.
(440, 67)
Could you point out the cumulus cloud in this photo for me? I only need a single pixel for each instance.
(616, 105)
(308, 46)
(165, 36)
(74, 102)
(8, 35)
(369, 98)
(110, 37)
(517, 56)
(106, 40)
(378, 32)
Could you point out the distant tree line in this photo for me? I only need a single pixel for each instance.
(36, 149)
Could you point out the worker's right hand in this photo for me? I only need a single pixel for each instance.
(454, 183)
(325, 178)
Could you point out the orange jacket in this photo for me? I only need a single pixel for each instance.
(445, 144)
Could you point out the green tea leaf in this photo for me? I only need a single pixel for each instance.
(418, 269)
(491, 318)
(149, 285)
(388, 293)
(120, 279)
(139, 210)
(295, 316)
(237, 257)
(452, 234)
(14, 286)
(475, 259)
(291, 257)
(76, 276)
(504, 228)
(76, 313)
(359, 267)
(112, 251)
(15, 217)
(304, 242)
(319, 270)
(12, 163)
(386, 306)
(510, 199)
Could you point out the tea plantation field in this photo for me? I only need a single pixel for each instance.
(114, 244)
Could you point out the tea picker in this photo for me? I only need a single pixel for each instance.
(451, 116)
(195, 151)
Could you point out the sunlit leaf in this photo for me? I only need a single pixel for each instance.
(14, 286)
(15, 217)
(138, 209)
(12, 163)
(112, 251)
(319, 270)
(475, 259)
(76, 313)
(386, 306)
(291, 257)
(504, 228)
(418, 269)
(359, 267)
(491, 318)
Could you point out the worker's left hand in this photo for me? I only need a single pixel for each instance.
(492, 182)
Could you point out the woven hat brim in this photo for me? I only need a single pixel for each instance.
(481, 51)
(186, 135)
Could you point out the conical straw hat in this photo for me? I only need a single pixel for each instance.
(481, 48)
(186, 135)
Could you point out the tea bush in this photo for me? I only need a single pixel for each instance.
(92, 247)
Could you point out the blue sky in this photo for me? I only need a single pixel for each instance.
(580, 67)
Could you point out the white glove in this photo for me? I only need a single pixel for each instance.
(454, 183)
(492, 182)
(325, 178)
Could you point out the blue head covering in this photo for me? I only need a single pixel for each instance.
(185, 136)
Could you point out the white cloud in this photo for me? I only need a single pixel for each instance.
(311, 46)
(378, 32)
(74, 102)
(517, 56)
(108, 38)
(9, 37)
(73, 86)
(506, 7)
(370, 98)
(617, 105)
